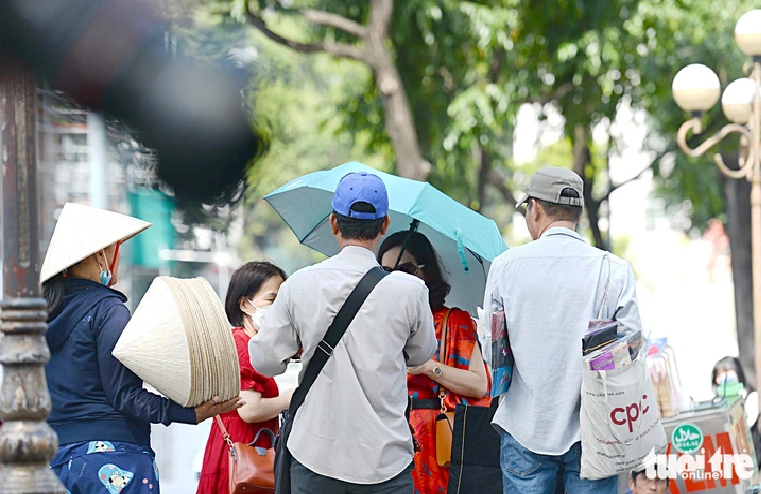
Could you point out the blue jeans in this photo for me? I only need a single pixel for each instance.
(524, 472)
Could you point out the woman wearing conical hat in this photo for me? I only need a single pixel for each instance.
(100, 411)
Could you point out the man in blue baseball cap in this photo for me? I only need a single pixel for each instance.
(351, 433)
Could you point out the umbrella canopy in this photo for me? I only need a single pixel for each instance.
(465, 241)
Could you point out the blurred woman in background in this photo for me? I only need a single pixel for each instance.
(728, 382)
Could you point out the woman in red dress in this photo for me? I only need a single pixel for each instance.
(252, 291)
(462, 373)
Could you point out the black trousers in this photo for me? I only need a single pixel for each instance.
(305, 481)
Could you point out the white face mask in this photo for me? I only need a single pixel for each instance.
(258, 316)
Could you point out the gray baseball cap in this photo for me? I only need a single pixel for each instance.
(549, 182)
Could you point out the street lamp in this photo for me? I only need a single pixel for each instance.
(27, 443)
(696, 88)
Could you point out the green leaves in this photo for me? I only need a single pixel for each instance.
(468, 66)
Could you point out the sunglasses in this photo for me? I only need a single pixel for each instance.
(407, 267)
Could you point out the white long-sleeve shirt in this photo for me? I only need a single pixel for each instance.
(550, 289)
(352, 425)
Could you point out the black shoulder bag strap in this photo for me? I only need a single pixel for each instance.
(334, 334)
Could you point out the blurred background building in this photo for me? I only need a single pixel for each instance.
(84, 159)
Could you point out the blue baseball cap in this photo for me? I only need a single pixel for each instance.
(360, 187)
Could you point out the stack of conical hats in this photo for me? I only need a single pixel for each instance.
(179, 341)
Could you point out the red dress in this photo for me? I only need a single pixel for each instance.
(214, 473)
(428, 476)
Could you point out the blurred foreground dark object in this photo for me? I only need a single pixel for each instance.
(110, 56)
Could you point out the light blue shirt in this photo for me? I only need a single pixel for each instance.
(550, 289)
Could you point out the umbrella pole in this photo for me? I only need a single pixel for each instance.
(413, 228)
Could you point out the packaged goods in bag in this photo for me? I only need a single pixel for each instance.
(502, 360)
(619, 353)
(614, 356)
(599, 334)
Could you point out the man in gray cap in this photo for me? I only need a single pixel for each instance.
(549, 290)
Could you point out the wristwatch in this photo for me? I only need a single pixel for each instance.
(437, 370)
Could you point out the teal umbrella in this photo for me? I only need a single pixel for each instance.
(465, 241)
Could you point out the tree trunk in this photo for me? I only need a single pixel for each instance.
(737, 204)
(398, 119)
(375, 52)
(397, 113)
(581, 158)
(483, 176)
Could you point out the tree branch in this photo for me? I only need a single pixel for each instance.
(615, 187)
(379, 19)
(499, 184)
(557, 94)
(340, 50)
(496, 64)
(483, 176)
(335, 21)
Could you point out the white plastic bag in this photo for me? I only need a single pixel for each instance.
(620, 425)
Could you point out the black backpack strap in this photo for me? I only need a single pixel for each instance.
(334, 334)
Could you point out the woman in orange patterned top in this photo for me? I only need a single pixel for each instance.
(461, 375)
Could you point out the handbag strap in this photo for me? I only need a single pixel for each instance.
(263, 430)
(334, 334)
(225, 434)
(443, 355)
(607, 284)
(444, 338)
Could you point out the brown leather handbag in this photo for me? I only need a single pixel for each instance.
(445, 419)
(251, 468)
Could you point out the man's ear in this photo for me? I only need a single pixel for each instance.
(535, 210)
(334, 224)
(386, 223)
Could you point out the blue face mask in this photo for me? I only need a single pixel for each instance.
(105, 277)
(105, 274)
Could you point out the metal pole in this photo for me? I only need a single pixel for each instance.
(27, 443)
(755, 202)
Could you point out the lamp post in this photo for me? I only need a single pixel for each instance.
(696, 88)
(27, 443)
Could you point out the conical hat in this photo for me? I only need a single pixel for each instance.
(179, 341)
(82, 231)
